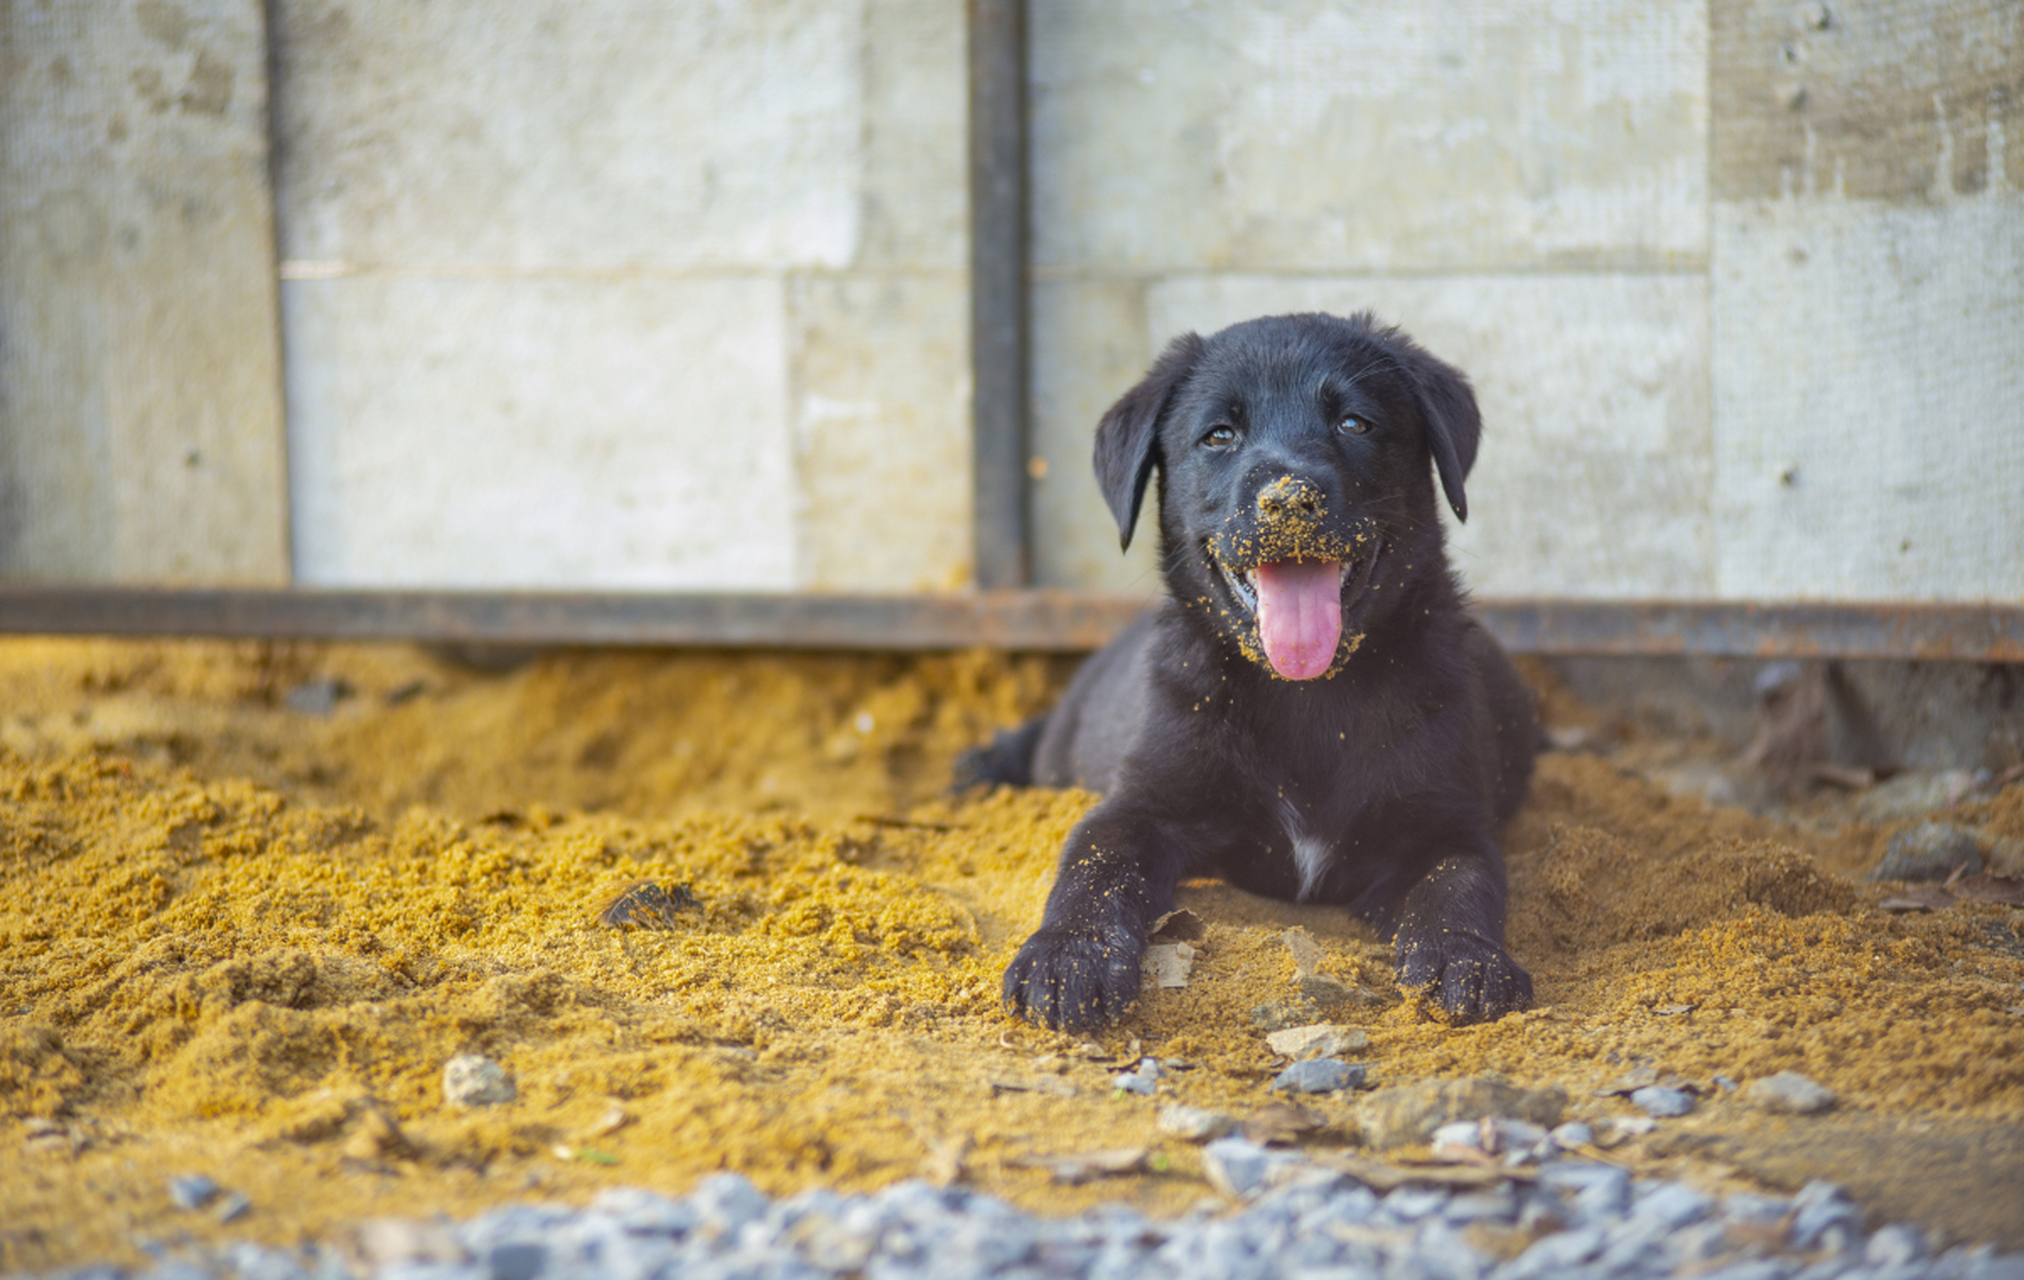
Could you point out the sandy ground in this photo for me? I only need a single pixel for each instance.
(254, 897)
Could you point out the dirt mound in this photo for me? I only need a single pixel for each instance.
(256, 897)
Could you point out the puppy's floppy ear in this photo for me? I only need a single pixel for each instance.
(1127, 439)
(1448, 405)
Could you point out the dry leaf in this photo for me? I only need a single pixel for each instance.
(1919, 897)
(1178, 926)
(1990, 888)
(1170, 963)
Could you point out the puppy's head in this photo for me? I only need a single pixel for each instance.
(1296, 499)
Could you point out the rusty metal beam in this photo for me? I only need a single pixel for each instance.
(998, 292)
(1061, 621)
(1931, 632)
(1038, 620)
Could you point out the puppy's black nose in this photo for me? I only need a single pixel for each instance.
(1290, 498)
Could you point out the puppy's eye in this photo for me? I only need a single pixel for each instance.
(1351, 425)
(1220, 436)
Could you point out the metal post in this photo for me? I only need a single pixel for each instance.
(998, 339)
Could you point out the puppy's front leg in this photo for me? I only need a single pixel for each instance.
(1450, 940)
(1080, 970)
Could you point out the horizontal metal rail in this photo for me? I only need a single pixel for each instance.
(1035, 620)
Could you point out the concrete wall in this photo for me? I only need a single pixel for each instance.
(1741, 285)
(626, 294)
(140, 389)
(638, 294)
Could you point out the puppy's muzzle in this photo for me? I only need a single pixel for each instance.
(1290, 499)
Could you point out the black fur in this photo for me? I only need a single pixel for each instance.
(1396, 769)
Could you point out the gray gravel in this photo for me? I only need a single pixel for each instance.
(1287, 1216)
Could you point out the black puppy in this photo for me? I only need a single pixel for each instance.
(1312, 714)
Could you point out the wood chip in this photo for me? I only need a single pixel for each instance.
(1282, 1122)
(1385, 1175)
(947, 1159)
(1053, 1086)
(1088, 1165)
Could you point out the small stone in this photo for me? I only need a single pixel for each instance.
(192, 1191)
(519, 1260)
(645, 1213)
(725, 1202)
(1790, 1093)
(473, 1081)
(615, 1117)
(389, 1242)
(1928, 851)
(1572, 1134)
(1194, 1124)
(1134, 1082)
(1318, 1040)
(1895, 1246)
(1277, 1015)
(1673, 1206)
(1749, 1209)
(1329, 993)
(1235, 1167)
(1462, 1135)
(1666, 1104)
(233, 1207)
(1307, 953)
(375, 1135)
(1621, 1127)
(1410, 1204)
(318, 697)
(1319, 1075)
(1912, 793)
(1823, 1217)
(1406, 1114)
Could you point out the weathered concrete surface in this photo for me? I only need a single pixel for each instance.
(541, 433)
(1865, 99)
(1090, 344)
(627, 135)
(1306, 136)
(690, 281)
(882, 431)
(1594, 475)
(1868, 300)
(1869, 399)
(140, 398)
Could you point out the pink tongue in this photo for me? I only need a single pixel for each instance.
(1300, 615)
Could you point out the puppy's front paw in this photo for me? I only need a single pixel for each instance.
(1472, 977)
(1074, 981)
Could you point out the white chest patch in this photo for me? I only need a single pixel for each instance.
(1310, 852)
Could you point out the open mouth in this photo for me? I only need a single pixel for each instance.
(1299, 605)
